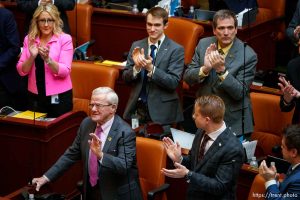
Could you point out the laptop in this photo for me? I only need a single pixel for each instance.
(205, 15)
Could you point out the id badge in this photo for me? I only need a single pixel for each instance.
(55, 99)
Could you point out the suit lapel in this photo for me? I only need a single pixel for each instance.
(214, 148)
(111, 135)
(91, 129)
(163, 49)
(231, 54)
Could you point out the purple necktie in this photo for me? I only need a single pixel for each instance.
(93, 162)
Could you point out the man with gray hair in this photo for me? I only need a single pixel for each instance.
(101, 143)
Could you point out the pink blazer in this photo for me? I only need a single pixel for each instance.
(61, 51)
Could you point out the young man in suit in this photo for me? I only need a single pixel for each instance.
(225, 66)
(289, 188)
(29, 6)
(216, 156)
(155, 74)
(107, 170)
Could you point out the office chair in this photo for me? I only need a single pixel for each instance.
(85, 78)
(257, 188)
(269, 122)
(185, 33)
(80, 23)
(151, 158)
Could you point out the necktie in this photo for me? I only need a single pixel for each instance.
(202, 146)
(143, 94)
(93, 162)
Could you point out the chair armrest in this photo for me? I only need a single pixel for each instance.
(153, 193)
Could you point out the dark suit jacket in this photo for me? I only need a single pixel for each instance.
(9, 51)
(29, 6)
(112, 171)
(290, 187)
(215, 176)
(231, 89)
(163, 101)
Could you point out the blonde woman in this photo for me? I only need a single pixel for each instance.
(46, 59)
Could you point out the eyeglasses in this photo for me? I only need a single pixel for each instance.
(44, 21)
(98, 105)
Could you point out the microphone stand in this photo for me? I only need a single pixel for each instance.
(125, 157)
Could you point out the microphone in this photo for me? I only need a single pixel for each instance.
(125, 157)
(34, 110)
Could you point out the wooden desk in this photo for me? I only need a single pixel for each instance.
(28, 149)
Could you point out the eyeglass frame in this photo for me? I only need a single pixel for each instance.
(44, 21)
(98, 105)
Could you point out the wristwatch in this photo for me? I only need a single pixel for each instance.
(188, 176)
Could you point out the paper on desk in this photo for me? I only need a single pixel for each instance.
(185, 139)
(250, 148)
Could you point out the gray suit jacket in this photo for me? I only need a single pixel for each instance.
(231, 89)
(112, 171)
(163, 101)
(215, 176)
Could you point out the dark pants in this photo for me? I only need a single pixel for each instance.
(41, 103)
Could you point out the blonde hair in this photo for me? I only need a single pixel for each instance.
(53, 12)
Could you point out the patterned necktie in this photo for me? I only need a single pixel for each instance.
(206, 138)
(93, 162)
(143, 94)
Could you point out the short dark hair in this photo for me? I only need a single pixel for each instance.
(292, 137)
(224, 14)
(158, 12)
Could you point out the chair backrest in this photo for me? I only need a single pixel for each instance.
(269, 121)
(151, 158)
(257, 189)
(80, 23)
(267, 10)
(85, 78)
(185, 33)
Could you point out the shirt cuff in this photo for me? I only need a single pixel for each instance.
(150, 73)
(135, 71)
(201, 73)
(46, 178)
(270, 182)
(222, 77)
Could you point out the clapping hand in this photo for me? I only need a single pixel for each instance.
(173, 149)
(289, 92)
(268, 173)
(44, 52)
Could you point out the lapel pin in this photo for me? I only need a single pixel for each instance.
(109, 138)
(220, 144)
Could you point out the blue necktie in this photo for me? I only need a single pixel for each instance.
(143, 94)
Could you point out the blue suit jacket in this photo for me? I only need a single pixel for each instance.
(215, 176)
(293, 24)
(239, 5)
(9, 51)
(288, 189)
